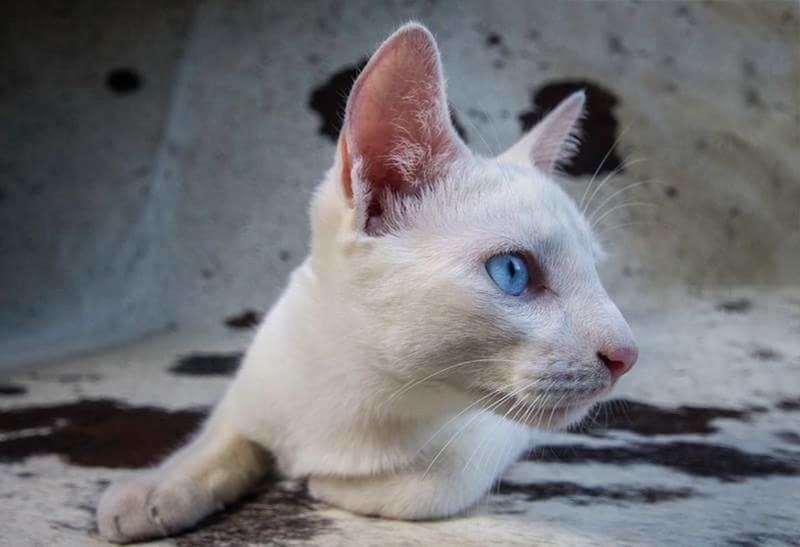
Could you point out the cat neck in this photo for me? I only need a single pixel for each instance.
(323, 342)
(321, 381)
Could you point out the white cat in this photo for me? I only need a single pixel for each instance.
(449, 303)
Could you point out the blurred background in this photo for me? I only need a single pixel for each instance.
(158, 158)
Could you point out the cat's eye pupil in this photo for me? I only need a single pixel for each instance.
(509, 272)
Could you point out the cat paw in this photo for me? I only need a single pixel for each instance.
(149, 506)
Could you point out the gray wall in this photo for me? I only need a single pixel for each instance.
(82, 208)
(184, 199)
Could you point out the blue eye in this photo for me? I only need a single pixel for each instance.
(509, 272)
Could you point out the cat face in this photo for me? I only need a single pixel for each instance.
(478, 273)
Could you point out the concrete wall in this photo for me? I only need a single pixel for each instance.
(85, 100)
(181, 196)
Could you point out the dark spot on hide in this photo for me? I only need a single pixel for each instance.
(246, 319)
(788, 436)
(752, 98)
(615, 45)
(95, 433)
(748, 68)
(12, 390)
(789, 405)
(598, 128)
(682, 11)
(329, 100)
(76, 378)
(207, 364)
(56, 524)
(759, 539)
(274, 513)
(765, 354)
(123, 81)
(645, 419)
(736, 305)
(493, 39)
(584, 495)
(725, 463)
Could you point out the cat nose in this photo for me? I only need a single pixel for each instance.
(619, 359)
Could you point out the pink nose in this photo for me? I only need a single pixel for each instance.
(619, 360)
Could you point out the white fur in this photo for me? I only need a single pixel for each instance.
(332, 384)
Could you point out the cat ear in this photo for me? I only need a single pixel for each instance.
(552, 140)
(397, 135)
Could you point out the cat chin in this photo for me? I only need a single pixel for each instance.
(551, 418)
(562, 417)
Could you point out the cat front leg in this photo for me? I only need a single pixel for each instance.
(213, 470)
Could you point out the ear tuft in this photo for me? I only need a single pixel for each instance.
(554, 139)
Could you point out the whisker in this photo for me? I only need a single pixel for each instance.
(590, 420)
(504, 452)
(532, 418)
(486, 461)
(543, 406)
(527, 414)
(491, 124)
(621, 206)
(414, 383)
(477, 131)
(483, 416)
(506, 176)
(616, 193)
(479, 446)
(632, 223)
(623, 406)
(607, 178)
(553, 411)
(451, 420)
(468, 423)
(463, 427)
(602, 163)
(483, 441)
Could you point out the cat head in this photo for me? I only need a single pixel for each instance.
(476, 274)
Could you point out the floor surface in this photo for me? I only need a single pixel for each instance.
(700, 445)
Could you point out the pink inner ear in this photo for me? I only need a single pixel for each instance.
(397, 126)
